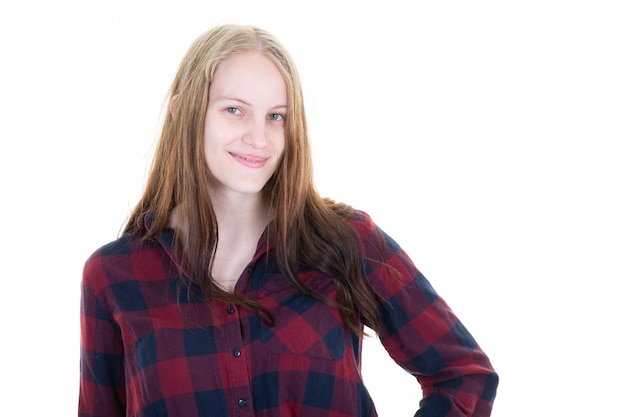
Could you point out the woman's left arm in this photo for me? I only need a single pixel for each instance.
(423, 335)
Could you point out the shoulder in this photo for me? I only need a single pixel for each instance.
(124, 245)
(115, 261)
(375, 242)
(362, 222)
(368, 230)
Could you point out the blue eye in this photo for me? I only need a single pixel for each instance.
(233, 110)
(276, 117)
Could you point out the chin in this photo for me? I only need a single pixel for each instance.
(249, 188)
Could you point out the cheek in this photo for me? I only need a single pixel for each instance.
(279, 141)
(215, 139)
(217, 131)
(281, 148)
(211, 145)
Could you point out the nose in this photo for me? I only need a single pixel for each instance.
(256, 132)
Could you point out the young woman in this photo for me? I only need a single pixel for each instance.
(236, 290)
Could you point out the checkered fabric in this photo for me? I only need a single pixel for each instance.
(150, 347)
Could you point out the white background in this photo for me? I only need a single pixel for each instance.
(487, 137)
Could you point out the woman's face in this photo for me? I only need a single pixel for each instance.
(244, 130)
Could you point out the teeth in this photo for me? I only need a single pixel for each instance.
(249, 159)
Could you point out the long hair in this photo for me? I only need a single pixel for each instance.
(305, 229)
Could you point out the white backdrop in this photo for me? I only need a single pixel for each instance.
(486, 137)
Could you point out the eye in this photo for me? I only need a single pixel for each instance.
(232, 110)
(277, 117)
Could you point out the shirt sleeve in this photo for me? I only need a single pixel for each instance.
(423, 335)
(102, 387)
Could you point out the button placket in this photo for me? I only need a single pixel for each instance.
(233, 342)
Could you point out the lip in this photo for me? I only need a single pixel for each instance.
(250, 161)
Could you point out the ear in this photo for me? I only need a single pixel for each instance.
(174, 105)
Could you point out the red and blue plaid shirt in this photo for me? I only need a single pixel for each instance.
(150, 348)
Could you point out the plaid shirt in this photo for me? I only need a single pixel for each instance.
(150, 348)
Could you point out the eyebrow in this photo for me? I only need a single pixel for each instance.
(229, 98)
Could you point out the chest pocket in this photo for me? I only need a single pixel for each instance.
(303, 325)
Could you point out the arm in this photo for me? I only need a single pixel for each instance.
(102, 390)
(422, 334)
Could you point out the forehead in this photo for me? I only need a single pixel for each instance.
(250, 72)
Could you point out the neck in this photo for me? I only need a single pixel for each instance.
(236, 217)
(240, 215)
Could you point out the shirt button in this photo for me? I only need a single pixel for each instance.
(249, 269)
(236, 353)
(242, 403)
(230, 310)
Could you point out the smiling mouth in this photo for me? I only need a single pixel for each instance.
(247, 158)
(250, 160)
